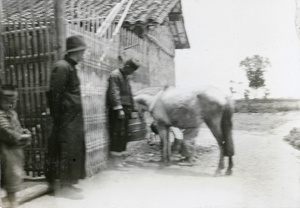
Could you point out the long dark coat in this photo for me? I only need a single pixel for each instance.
(66, 146)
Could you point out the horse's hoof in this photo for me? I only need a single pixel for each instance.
(161, 166)
(167, 163)
(228, 172)
(218, 173)
(185, 163)
(221, 167)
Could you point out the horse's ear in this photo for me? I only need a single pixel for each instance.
(120, 61)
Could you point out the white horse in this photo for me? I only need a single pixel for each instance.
(188, 108)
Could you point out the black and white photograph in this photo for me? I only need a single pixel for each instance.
(150, 103)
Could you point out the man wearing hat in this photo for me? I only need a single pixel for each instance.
(119, 102)
(66, 146)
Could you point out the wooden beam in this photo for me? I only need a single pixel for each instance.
(59, 13)
(110, 18)
(1, 11)
(2, 49)
(117, 29)
(160, 45)
(175, 16)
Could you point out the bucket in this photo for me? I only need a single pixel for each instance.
(137, 128)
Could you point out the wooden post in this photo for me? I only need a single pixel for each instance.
(59, 13)
(2, 49)
(1, 12)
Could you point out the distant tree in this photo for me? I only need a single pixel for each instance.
(267, 93)
(232, 90)
(254, 67)
(246, 94)
(231, 87)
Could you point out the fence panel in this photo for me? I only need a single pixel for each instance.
(29, 54)
(93, 76)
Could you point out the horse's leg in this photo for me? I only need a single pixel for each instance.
(221, 162)
(163, 133)
(188, 150)
(215, 127)
(169, 151)
(230, 165)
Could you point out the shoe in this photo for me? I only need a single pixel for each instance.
(50, 189)
(14, 205)
(78, 190)
(125, 153)
(127, 165)
(117, 164)
(69, 192)
(117, 161)
(186, 162)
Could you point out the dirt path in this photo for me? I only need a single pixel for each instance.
(266, 174)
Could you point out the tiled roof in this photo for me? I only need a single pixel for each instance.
(141, 12)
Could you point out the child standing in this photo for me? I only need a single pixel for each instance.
(12, 140)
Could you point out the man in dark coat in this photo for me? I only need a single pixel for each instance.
(119, 100)
(66, 146)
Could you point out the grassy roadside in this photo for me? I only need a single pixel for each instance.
(266, 105)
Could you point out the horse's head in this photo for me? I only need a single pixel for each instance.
(142, 102)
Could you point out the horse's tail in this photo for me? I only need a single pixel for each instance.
(226, 125)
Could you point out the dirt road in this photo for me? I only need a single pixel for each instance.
(266, 174)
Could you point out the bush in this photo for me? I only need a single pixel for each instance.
(293, 138)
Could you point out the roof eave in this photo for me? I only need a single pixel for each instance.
(179, 32)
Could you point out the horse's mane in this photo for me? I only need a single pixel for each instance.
(149, 96)
(143, 99)
(149, 91)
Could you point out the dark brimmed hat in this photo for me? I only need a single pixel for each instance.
(75, 43)
(133, 63)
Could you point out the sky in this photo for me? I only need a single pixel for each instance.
(224, 32)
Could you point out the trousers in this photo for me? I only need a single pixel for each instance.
(118, 129)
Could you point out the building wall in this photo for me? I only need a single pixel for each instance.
(161, 57)
(297, 18)
(132, 46)
(156, 53)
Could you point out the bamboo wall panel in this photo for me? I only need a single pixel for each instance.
(29, 56)
(93, 75)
